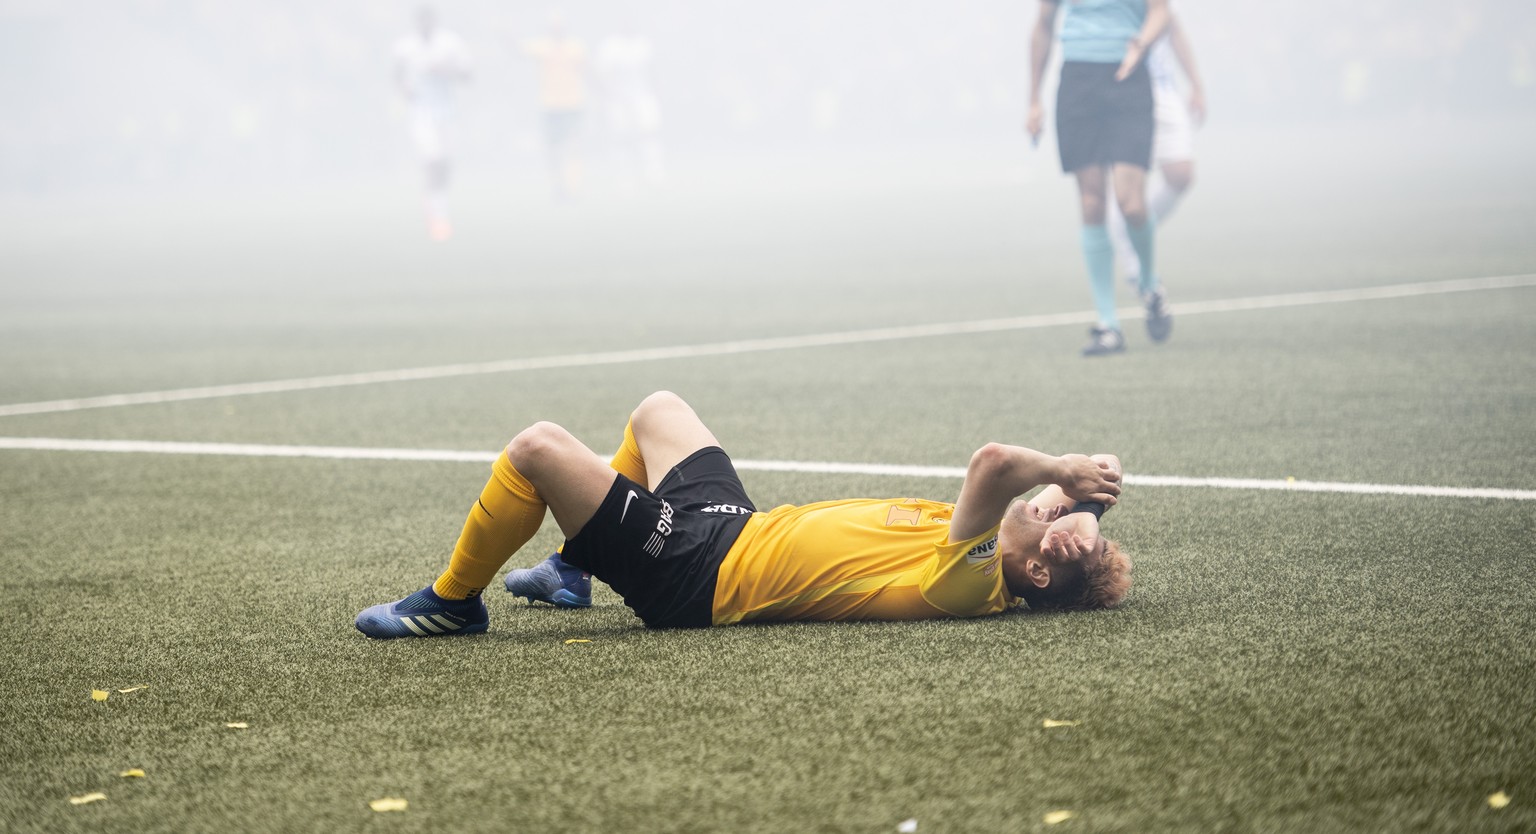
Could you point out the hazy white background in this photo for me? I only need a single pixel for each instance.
(166, 96)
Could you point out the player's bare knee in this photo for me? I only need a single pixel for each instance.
(1134, 210)
(657, 404)
(1179, 177)
(538, 443)
(1093, 210)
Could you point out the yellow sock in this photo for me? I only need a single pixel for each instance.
(507, 515)
(626, 461)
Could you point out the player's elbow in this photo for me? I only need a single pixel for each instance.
(988, 462)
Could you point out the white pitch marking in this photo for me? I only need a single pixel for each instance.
(54, 444)
(847, 337)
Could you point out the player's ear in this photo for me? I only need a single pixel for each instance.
(1037, 573)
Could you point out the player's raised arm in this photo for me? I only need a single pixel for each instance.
(1053, 503)
(998, 473)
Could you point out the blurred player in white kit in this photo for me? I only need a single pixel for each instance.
(429, 64)
(623, 65)
(1173, 139)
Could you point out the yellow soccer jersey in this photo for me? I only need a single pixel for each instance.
(859, 559)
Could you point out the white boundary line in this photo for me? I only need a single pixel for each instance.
(847, 337)
(55, 444)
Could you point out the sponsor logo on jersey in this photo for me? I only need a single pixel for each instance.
(903, 515)
(983, 552)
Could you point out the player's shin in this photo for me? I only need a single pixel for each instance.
(507, 514)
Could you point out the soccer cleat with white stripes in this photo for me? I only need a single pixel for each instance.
(424, 614)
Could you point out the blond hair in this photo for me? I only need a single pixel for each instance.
(1108, 578)
(1086, 584)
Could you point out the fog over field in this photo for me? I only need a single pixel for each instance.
(153, 96)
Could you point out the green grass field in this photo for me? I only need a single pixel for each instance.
(1287, 660)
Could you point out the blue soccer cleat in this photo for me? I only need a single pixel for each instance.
(554, 582)
(424, 614)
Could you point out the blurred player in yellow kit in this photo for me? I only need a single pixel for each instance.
(668, 525)
(562, 61)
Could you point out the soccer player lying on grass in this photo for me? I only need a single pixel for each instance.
(668, 525)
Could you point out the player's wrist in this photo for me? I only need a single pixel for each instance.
(1094, 507)
(1058, 471)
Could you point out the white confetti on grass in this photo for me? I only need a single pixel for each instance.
(389, 803)
(1055, 817)
(86, 799)
(1498, 800)
(907, 826)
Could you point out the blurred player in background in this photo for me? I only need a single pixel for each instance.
(429, 64)
(1104, 125)
(1173, 141)
(562, 61)
(623, 73)
(668, 524)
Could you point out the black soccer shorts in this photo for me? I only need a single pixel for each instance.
(1101, 121)
(661, 551)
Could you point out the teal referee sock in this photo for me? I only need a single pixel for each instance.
(1099, 254)
(1141, 240)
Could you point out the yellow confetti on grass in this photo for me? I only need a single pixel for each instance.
(132, 773)
(1498, 800)
(98, 694)
(577, 640)
(1058, 816)
(237, 725)
(1052, 722)
(389, 803)
(86, 799)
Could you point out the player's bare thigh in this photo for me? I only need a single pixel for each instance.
(1091, 186)
(571, 478)
(667, 431)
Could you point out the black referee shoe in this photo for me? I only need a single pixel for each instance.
(1104, 340)
(1159, 320)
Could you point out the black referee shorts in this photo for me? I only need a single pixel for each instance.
(1101, 121)
(661, 551)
